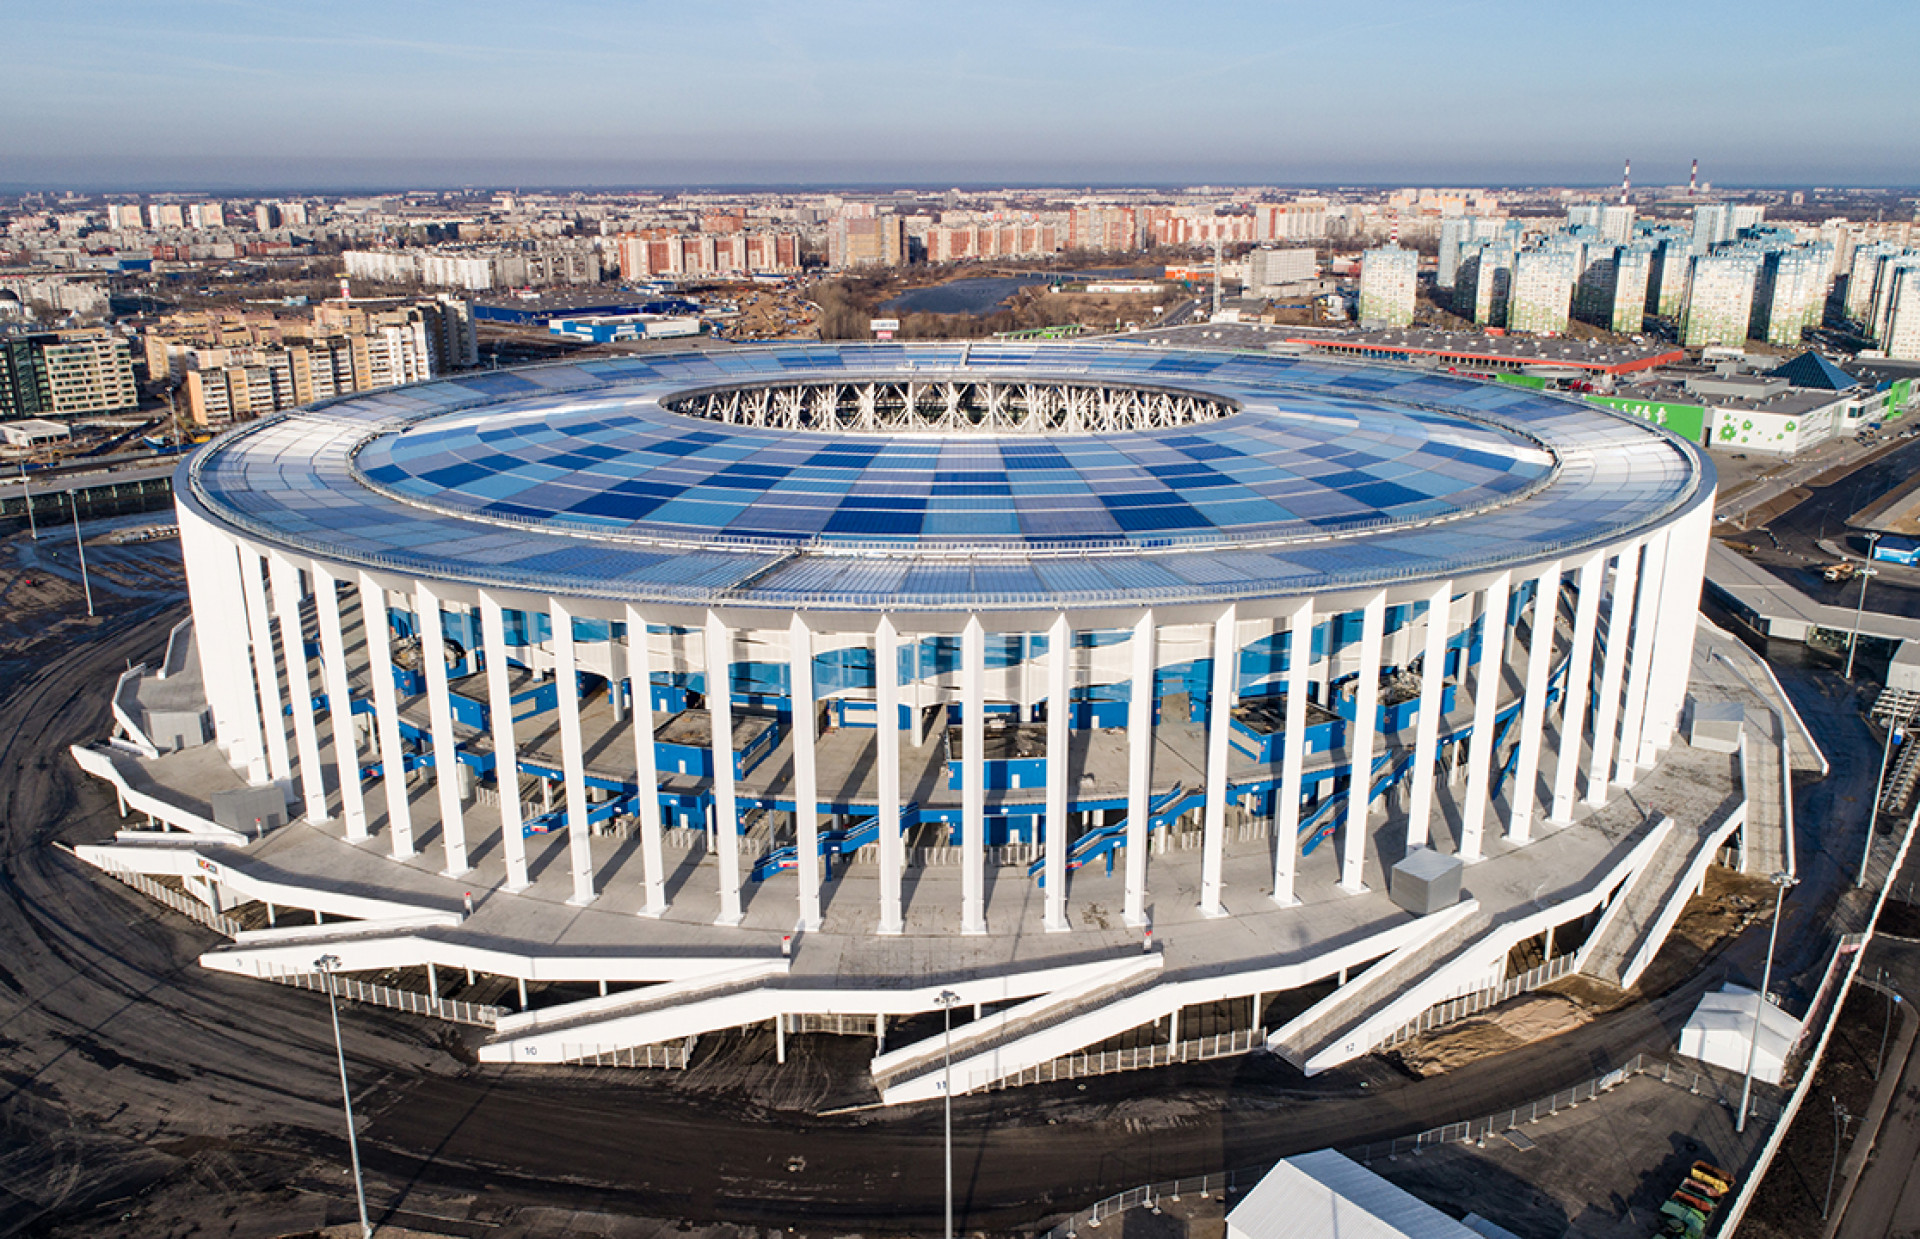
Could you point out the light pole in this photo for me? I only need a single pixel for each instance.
(947, 1000)
(1880, 1059)
(1841, 1121)
(1867, 572)
(1895, 731)
(326, 964)
(1781, 881)
(73, 501)
(26, 494)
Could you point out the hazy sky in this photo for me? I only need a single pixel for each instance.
(232, 93)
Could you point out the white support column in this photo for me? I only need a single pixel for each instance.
(726, 810)
(1606, 717)
(386, 714)
(1293, 754)
(1578, 694)
(1646, 635)
(1679, 619)
(333, 658)
(646, 770)
(1226, 653)
(1533, 709)
(1486, 705)
(573, 761)
(1426, 736)
(886, 695)
(506, 753)
(973, 777)
(285, 579)
(219, 634)
(266, 668)
(1140, 703)
(806, 785)
(1366, 703)
(446, 761)
(1059, 731)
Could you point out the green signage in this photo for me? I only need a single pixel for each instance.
(1689, 421)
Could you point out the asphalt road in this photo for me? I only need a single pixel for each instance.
(129, 1075)
(1788, 543)
(1886, 1202)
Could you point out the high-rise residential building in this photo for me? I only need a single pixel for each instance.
(1887, 271)
(1672, 262)
(1712, 225)
(1861, 271)
(23, 378)
(166, 215)
(1387, 279)
(86, 372)
(1742, 216)
(1455, 232)
(1269, 269)
(124, 215)
(1484, 281)
(1542, 293)
(1616, 223)
(1103, 228)
(206, 215)
(870, 241)
(1791, 293)
(1719, 298)
(1584, 215)
(1632, 272)
(1902, 338)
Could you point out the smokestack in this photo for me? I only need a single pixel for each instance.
(346, 297)
(1626, 183)
(1693, 179)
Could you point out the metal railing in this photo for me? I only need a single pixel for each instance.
(181, 902)
(355, 990)
(1138, 1058)
(670, 1055)
(1454, 1009)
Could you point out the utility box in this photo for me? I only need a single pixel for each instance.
(1715, 726)
(251, 810)
(1426, 881)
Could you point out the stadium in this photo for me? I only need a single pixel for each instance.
(1079, 689)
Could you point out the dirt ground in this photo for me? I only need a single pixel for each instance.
(1530, 1017)
(42, 598)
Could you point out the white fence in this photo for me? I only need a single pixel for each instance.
(1139, 1058)
(671, 1055)
(1466, 1005)
(181, 902)
(354, 990)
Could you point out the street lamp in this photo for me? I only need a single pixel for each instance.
(947, 1000)
(1841, 1121)
(74, 501)
(1867, 571)
(1781, 881)
(326, 964)
(26, 495)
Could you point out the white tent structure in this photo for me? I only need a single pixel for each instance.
(1721, 1029)
(1326, 1195)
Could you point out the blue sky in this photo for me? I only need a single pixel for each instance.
(231, 93)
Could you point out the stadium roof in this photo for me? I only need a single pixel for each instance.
(572, 479)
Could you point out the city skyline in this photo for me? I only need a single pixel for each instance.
(222, 96)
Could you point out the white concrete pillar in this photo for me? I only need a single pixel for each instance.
(1059, 719)
(646, 767)
(1686, 564)
(1533, 709)
(1486, 705)
(573, 764)
(333, 659)
(886, 695)
(1640, 657)
(1579, 687)
(1226, 654)
(446, 773)
(1426, 736)
(285, 579)
(386, 714)
(726, 808)
(506, 753)
(1366, 702)
(806, 786)
(219, 634)
(266, 668)
(973, 778)
(1613, 667)
(1140, 702)
(1293, 754)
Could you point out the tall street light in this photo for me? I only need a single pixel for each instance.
(74, 501)
(1867, 572)
(947, 1000)
(1781, 881)
(1896, 734)
(326, 964)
